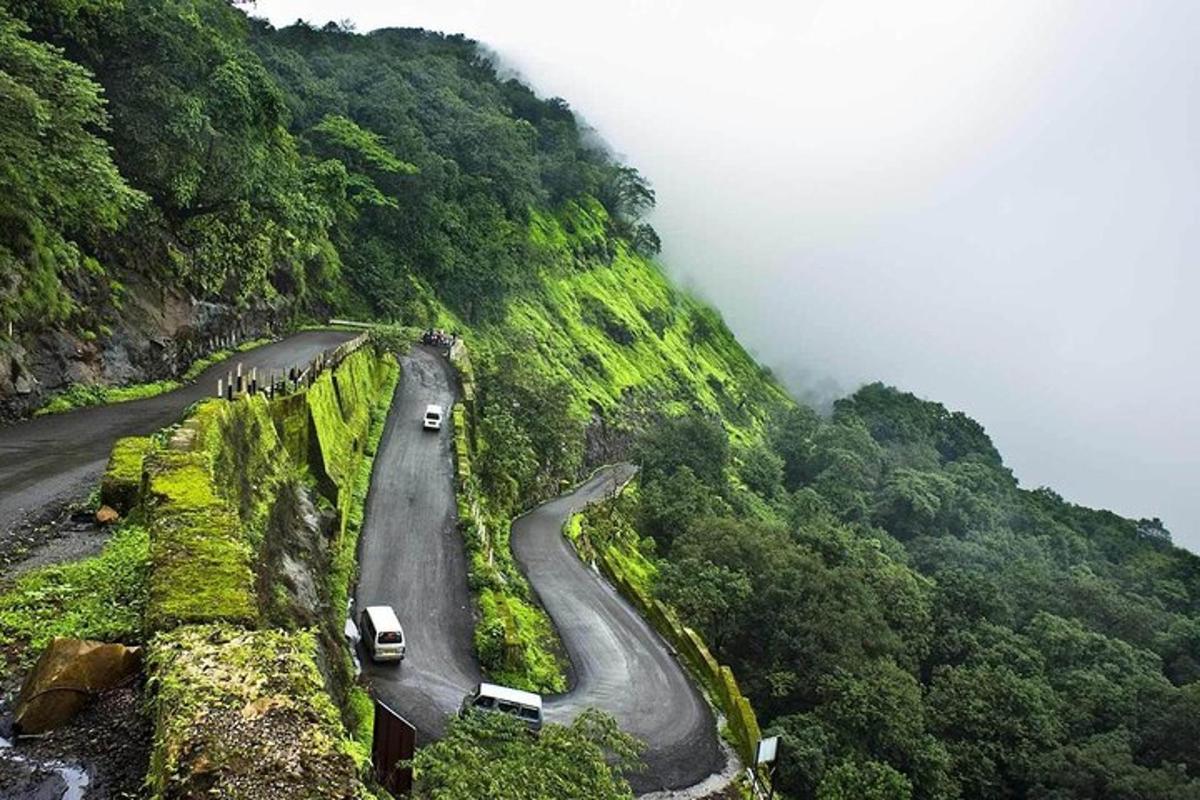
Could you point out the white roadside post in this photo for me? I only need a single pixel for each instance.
(765, 753)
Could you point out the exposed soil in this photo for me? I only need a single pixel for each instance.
(56, 535)
(106, 749)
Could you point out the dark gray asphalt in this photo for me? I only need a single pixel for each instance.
(411, 554)
(52, 460)
(412, 557)
(619, 663)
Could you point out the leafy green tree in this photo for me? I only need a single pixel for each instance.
(59, 187)
(711, 597)
(493, 756)
(994, 723)
(761, 469)
(667, 506)
(508, 460)
(695, 441)
(868, 780)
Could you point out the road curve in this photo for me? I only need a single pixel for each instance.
(619, 663)
(54, 459)
(411, 556)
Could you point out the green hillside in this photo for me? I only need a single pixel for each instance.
(911, 621)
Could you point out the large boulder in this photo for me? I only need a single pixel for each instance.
(67, 675)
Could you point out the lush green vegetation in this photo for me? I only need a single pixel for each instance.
(102, 597)
(585, 760)
(913, 622)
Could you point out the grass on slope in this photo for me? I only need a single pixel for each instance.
(102, 597)
(609, 330)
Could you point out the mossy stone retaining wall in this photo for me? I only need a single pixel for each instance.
(123, 476)
(242, 711)
(201, 563)
(244, 714)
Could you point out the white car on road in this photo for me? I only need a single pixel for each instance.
(381, 634)
(433, 418)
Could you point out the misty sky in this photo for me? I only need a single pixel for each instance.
(993, 205)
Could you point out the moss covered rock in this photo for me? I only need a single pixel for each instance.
(123, 476)
(244, 715)
(200, 560)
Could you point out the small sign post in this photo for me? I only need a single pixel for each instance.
(765, 752)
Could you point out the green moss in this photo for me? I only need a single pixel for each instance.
(123, 476)
(245, 711)
(102, 597)
(250, 463)
(339, 407)
(201, 561)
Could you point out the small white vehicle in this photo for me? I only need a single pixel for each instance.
(382, 635)
(490, 698)
(433, 418)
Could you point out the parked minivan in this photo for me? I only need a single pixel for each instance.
(382, 635)
(490, 698)
(433, 418)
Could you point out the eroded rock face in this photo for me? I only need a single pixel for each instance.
(15, 380)
(157, 335)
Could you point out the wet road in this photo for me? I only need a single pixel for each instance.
(619, 663)
(54, 459)
(411, 554)
(412, 557)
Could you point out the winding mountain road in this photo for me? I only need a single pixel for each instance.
(411, 557)
(51, 460)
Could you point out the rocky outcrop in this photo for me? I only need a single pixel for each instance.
(159, 332)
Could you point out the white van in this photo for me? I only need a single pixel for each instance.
(490, 698)
(382, 635)
(433, 418)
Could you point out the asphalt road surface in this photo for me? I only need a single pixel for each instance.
(51, 460)
(619, 663)
(411, 554)
(411, 557)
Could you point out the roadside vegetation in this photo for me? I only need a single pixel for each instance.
(586, 760)
(102, 597)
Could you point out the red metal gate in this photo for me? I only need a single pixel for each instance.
(395, 741)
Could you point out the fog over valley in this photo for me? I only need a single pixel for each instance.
(992, 205)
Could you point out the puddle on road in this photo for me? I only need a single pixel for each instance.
(75, 778)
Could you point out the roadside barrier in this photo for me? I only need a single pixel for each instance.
(239, 382)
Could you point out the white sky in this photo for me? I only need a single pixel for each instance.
(992, 204)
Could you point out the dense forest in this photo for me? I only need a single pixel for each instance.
(915, 624)
(907, 617)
